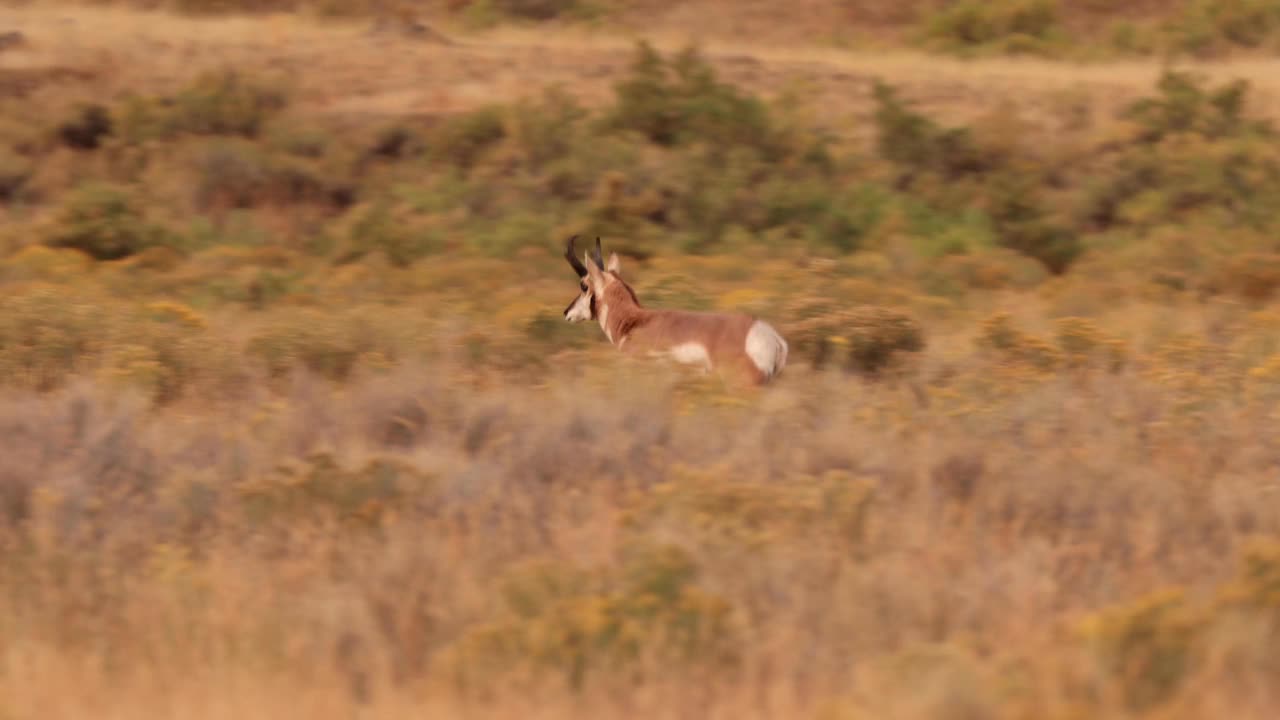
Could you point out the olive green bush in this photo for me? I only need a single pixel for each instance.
(106, 222)
(1014, 26)
(227, 101)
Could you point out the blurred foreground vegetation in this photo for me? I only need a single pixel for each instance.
(291, 418)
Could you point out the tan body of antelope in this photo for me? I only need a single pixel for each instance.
(739, 344)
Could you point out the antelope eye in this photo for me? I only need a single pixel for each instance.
(584, 287)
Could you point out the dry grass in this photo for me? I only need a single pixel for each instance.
(377, 489)
(162, 562)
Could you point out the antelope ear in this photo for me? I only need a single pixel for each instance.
(614, 265)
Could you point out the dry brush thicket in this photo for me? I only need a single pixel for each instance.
(291, 420)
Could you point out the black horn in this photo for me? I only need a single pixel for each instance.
(574, 262)
(599, 259)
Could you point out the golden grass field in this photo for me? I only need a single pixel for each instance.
(291, 425)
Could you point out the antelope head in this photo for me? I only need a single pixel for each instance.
(591, 281)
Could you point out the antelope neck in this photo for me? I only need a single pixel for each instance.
(620, 314)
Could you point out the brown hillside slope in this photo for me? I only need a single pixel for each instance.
(345, 68)
(839, 22)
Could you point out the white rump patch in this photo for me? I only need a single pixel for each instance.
(766, 348)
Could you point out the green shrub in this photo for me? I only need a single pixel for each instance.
(224, 102)
(713, 192)
(546, 130)
(577, 176)
(221, 102)
(677, 101)
(222, 7)
(849, 218)
(462, 139)
(643, 100)
(864, 339)
(917, 144)
(393, 229)
(1021, 223)
(717, 112)
(507, 235)
(106, 222)
(535, 9)
(237, 173)
(1009, 25)
(813, 327)
(878, 336)
(1196, 154)
(299, 140)
(833, 218)
(1213, 27)
(937, 159)
(1183, 104)
(940, 231)
(1129, 38)
(1148, 648)
(141, 119)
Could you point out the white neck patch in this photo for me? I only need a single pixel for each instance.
(604, 321)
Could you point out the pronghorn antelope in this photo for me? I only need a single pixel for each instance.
(740, 344)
